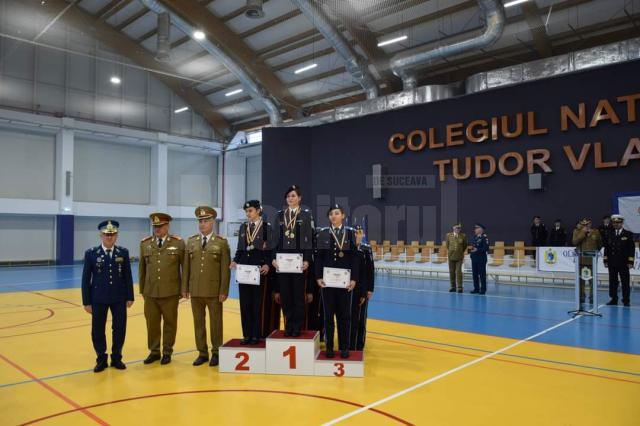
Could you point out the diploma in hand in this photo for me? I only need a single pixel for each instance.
(336, 277)
(289, 263)
(248, 274)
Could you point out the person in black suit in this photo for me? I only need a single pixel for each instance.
(107, 284)
(364, 291)
(254, 248)
(538, 233)
(337, 248)
(557, 235)
(294, 235)
(619, 257)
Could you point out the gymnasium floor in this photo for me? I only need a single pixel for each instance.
(511, 357)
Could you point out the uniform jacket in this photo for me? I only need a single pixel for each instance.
(456, 246)
(206, 271)
(619, 250)
(106, 280)
(328, 252)
(262, 253)
(587, 242)
(481, 244)
(366, 279)
(538, 235)
(161, 269)
(557, 237)
(303, 238)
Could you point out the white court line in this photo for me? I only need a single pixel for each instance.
(447, 373)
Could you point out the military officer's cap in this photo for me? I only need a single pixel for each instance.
(457, 225)
(479, 225)
(109, 227)
(335, 207)
(159, 219)
(252, 203)
(206, 212)
(617, 218)
(292, 188)
(585, 221)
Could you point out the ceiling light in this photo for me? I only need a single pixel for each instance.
(305, 68)
(198, 35)
(179, 110)
(115, 79)
(514, 2)
(233, 92)
(391, 41)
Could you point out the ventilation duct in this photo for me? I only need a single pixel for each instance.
(163, 51)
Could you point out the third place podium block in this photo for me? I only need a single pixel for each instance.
(292, 355)
(340, 367)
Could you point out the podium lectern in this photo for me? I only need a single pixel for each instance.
(586, 275)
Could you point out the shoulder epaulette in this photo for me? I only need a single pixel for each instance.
(194, 236)
(177, 237)
(221, 237)
(146, 239)
(349, 228)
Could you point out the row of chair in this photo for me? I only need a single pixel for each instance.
(427, 250)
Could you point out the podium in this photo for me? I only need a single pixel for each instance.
(586, 274)
(280, 354)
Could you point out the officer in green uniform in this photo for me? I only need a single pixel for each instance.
(457, 243)
(586, 239)
(160, 273)
(206, 281)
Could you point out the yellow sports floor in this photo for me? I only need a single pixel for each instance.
(46, 377)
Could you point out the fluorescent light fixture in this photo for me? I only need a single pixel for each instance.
(179, 110)
(115, 79)
(198, 35)
(514, 2)
(233, 92)
(392, 40)
(254, 137)
(305, 68)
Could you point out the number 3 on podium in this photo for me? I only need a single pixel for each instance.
(339, 369)
(291, 353)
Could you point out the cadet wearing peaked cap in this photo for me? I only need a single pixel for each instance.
(619, 257)
(160, 275)
(480, 247)
(107, 285)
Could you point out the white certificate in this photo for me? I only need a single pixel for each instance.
(248, 274)
(289, 263)
(336, 277)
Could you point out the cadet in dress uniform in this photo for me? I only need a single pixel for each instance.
(160, 273)
(456, 243)
(364, 290)
(206, 281)
(480, 247)
(295, 235)
(619, 257)
(107, 285)
(586, 239)
(254, 248)
(337, 248)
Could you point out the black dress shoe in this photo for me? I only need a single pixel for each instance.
(214, 361)
(200, 360)
(482, 292)
(118, 364)
(452, 290)
(627, 304)
(151, 358)
(246, 341)
(287, 333)
(100, 366)
(330, 353)
(344, 354)
(166, 359)
(254, 341)
(612, 302)
(459, 290)
(474, 292)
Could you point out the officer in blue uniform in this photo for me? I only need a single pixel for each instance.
(480, 247)
(107, 285)
(364, 291)
(337, 248)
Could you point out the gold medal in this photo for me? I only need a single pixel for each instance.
(286, 233)
(250, 247)
(341, 254)
(290, 222)
(292, 235)
(340, 243)
(251, 236)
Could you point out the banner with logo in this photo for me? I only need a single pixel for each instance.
(629, 207)
(563, 259)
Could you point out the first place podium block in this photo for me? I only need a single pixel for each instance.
(292, 355)
(244, 359)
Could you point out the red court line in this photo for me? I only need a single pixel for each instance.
(51, 313)
(508, 361)
(54, 298)
(56, 392)
(308, 395)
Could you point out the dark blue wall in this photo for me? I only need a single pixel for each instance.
(331, 161)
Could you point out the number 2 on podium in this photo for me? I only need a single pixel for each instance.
(242, 365)
(291, 353)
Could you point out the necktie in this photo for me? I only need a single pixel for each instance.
(109, 253)
(252, 226)
(204, 242)
(159, 242)
(618, 233)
